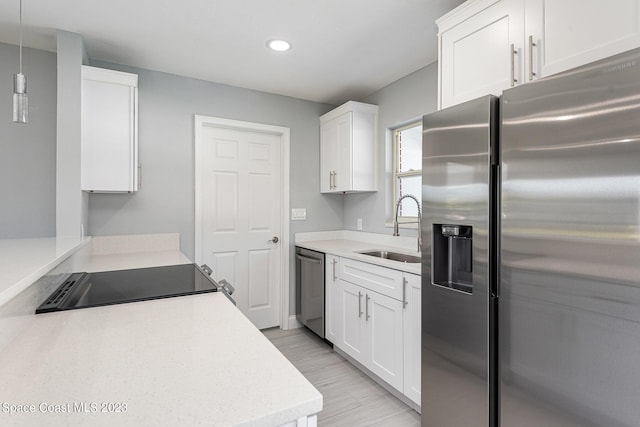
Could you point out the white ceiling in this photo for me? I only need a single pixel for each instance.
(342, 49)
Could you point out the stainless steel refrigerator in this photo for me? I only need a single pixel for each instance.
(531, 254)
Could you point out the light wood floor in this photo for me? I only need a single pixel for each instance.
(350, 397)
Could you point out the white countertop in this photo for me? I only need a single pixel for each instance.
(345, 245)
(23, 261)
(193, 360)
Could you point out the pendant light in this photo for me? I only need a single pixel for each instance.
(20, 105)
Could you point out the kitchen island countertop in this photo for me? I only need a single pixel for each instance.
(192, 360)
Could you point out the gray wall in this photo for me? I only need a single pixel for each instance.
(165, 203)
(167, 104)
(401, 102)
(28, 151)
(71, 202)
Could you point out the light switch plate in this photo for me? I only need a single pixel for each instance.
(298, 214)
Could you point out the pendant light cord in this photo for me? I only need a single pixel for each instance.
(20, 36)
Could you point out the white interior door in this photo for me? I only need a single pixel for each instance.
(240, 203)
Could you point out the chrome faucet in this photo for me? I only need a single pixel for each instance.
(395, 222)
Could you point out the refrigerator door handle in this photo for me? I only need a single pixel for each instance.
(494, 225)
(512, 54)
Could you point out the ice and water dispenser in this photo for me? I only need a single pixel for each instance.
(452, 257)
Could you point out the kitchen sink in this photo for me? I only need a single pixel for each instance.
(394, 256)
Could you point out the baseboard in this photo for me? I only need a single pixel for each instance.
(292, 324)
(410, 403)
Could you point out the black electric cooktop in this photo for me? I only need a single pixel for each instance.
(82, 290)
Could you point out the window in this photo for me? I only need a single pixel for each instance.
(407, 161)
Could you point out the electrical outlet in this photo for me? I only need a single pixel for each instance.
(298, 214)
(359, 223)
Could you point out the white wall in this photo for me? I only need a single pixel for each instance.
(28, 151)
(401, 102)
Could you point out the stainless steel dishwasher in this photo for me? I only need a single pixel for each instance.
(310, 289)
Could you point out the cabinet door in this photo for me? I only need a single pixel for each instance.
(109, 152)
(476, 55)
(332, 300)
(353, 339)
(335, 142)
(570, 33)
(383, 316)
(328, 154)
(412, 337)
(343, 178)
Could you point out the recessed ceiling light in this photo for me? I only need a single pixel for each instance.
(279, 45)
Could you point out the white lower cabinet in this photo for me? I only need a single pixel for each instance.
(352, 321)
(412, 337)
(332, 297)
(372, 331)
(383, 318)
(368, 320)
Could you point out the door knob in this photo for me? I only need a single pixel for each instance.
(274, 240)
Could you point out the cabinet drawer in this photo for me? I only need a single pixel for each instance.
(379, 279)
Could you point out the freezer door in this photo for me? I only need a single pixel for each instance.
(570, 248)
(455, 223)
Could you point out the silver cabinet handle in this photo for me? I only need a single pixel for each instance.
(335, 180)
(404, 292)
(334, 262)
(513, 54)
(366, 308)
(531, 45)
(330, 180)
(359, 304)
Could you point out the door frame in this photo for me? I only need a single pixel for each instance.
(202, 121)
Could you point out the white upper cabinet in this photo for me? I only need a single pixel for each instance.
(561, 35)
(109, 148)
(486, 46)
(480, 45)
(348, 141)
